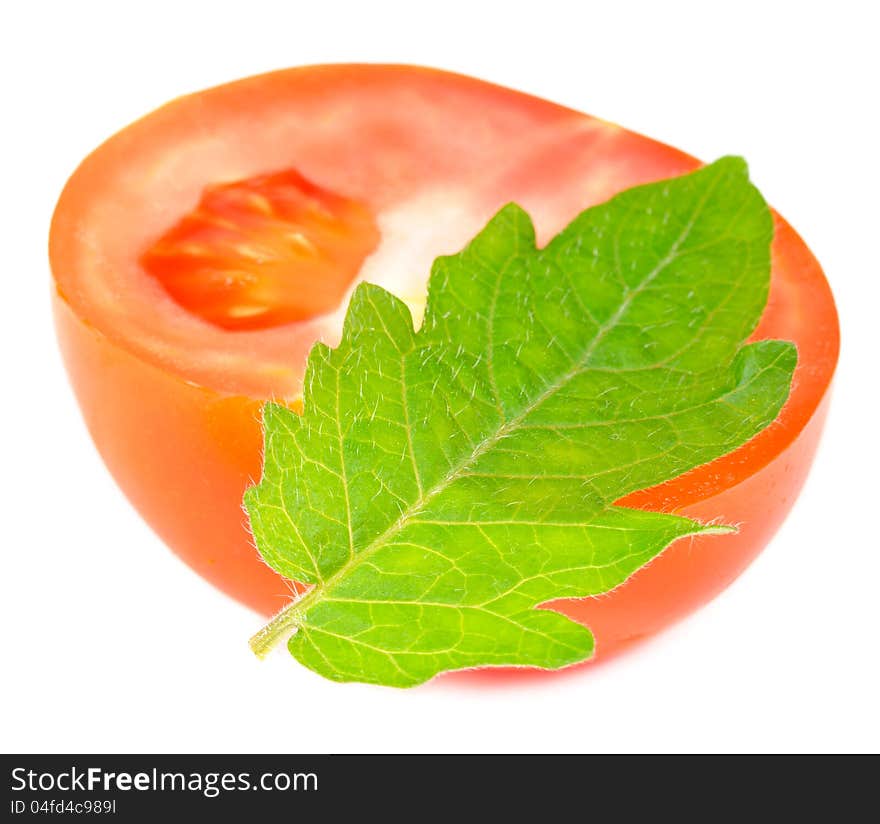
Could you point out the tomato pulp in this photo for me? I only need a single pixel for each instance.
(200, 252)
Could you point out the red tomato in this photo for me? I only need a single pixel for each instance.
(199, 253)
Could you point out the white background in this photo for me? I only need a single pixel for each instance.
(111, 644)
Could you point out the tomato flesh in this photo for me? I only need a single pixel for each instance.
(265, 251)
(170, 362)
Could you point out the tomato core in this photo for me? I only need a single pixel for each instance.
(263, 252)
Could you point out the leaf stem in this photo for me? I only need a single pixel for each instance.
(279, 629)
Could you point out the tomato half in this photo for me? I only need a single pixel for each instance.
(199, 253)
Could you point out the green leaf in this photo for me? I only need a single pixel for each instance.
(443, 483)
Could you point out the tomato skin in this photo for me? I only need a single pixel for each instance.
(183, 454)
(693, 571)
(184, 450)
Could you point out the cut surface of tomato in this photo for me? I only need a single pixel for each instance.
(199, 253)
